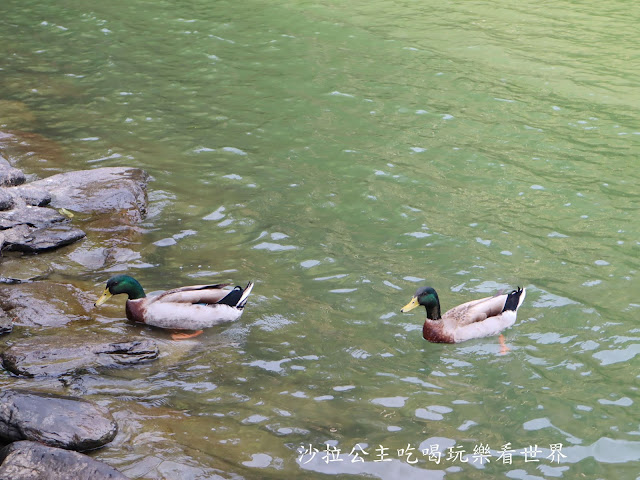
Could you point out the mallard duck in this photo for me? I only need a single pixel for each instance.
(183, 308)
(478, 318)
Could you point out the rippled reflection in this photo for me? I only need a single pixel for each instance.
(341, 156)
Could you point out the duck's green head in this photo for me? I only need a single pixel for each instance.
(121, 284)
(428, 298)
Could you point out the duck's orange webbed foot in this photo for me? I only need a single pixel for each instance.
(503, 346)
(184, 336)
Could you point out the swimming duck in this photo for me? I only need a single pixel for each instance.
(184, 308)
(478, 318)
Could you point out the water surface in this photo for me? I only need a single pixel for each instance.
(342, 155)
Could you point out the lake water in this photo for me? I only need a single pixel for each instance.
(342, 154)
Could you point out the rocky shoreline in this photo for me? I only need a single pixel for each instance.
(26, 460)
(42, 432)
(28, 223)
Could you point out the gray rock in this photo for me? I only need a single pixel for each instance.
(31, 195)
(103, 190)
(50, 304)
(6, 323)
(35, 240)
(16, 234)
(10, 176)
(89, 256)
(55, 420)
(32, 229)
(42, 358)
(37, 217)
(33, 461)
(6, 199)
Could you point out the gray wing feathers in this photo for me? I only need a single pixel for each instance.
(195, 294)
(478, 310)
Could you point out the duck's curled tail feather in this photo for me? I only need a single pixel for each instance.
(237, 297)
(514, 300)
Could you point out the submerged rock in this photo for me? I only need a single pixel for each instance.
(15, 270)
(55, 420)
(45, 304)
(32, 152)
(49, 358)
(32, 461)
(37, 240)
(103, 191)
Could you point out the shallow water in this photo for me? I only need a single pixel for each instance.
(341, 155)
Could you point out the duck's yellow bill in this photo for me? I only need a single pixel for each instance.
(411, 305)
(103, 298)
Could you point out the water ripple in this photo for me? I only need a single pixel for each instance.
(390, 402)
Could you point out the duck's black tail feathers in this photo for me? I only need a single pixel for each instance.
(514, 300)
(237, 297)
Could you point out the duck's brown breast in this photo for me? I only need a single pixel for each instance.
(433, 331)
(135, 311)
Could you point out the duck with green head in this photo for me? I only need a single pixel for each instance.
(184, 308)
(478, 318)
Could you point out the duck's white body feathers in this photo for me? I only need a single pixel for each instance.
(480, 318)
(189, 308)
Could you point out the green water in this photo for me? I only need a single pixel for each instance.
(342, 154)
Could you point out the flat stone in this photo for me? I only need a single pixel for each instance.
(55, 420)
(36, 240)
(48, 358)
(32, 461)
(50, 304)
(102, 191)
(32, 229)
(37, 217)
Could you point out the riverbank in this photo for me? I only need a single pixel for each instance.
(39, 217)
